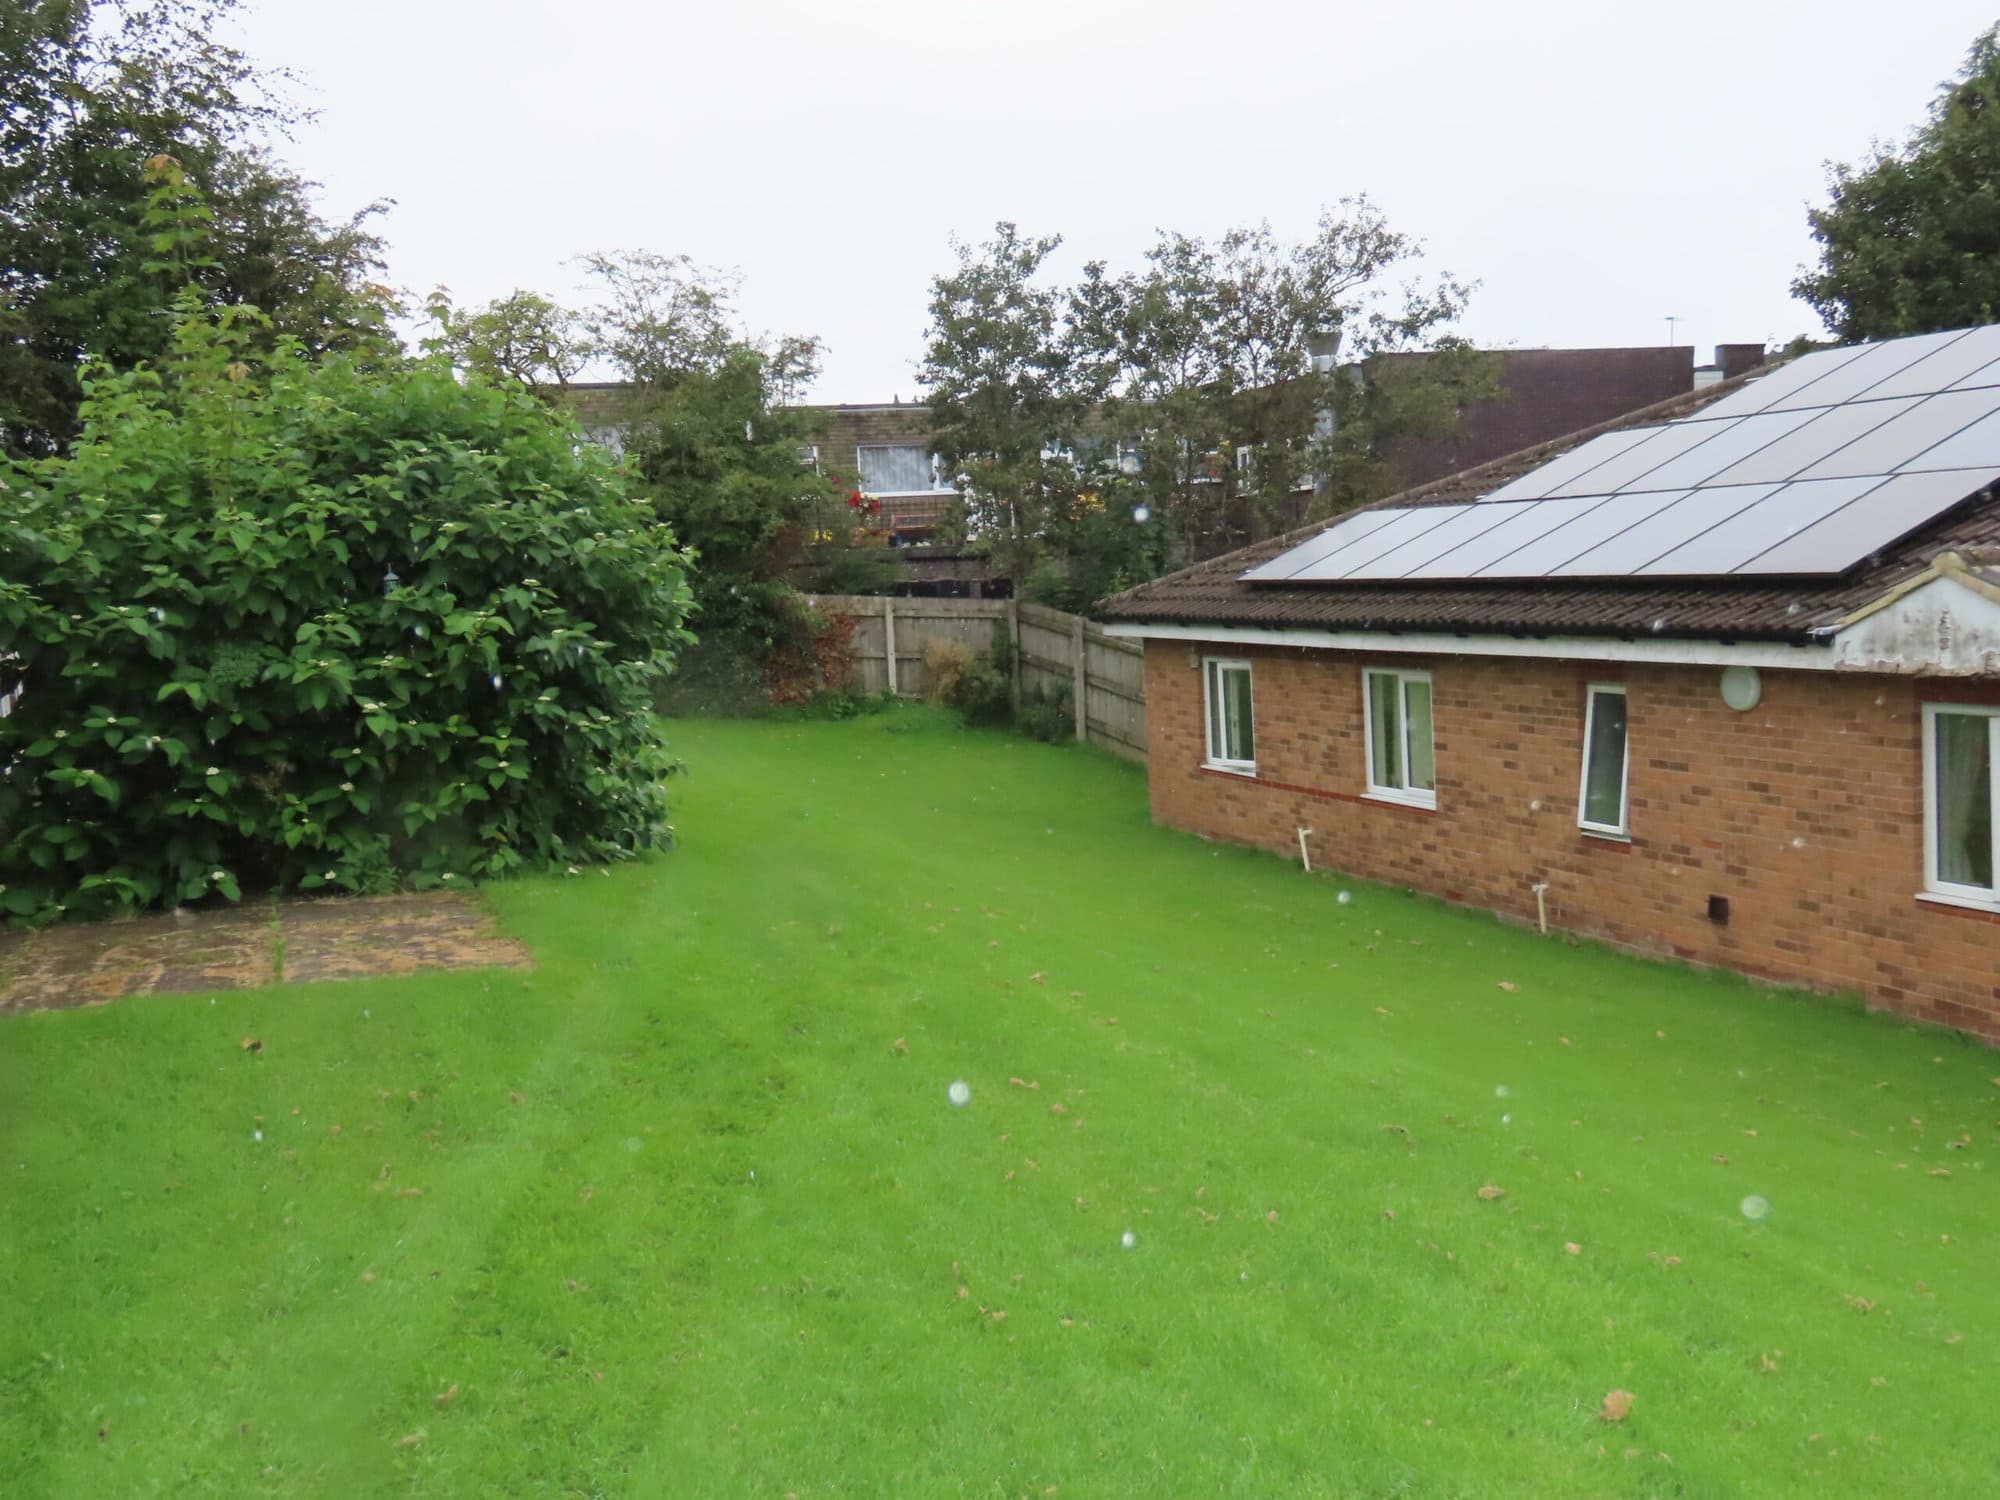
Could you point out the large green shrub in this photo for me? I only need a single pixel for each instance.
(312, 626)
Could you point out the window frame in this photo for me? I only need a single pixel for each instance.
(1404, 795)
(938, 487)
(1935, 885)
(1213, 742)
(1592, 691)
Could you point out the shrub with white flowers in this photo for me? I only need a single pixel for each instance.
(322, 625)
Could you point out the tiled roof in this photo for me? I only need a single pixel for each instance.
(1212, 593)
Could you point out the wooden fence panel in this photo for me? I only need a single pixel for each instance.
(1105, 677)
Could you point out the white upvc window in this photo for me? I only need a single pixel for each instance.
(1402, 762)
(898, 469)
(1601, 803)
(1961, 754)
(1232, 744)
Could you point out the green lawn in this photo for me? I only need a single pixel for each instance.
(677, 1213)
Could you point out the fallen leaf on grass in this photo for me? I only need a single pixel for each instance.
(1571, 1247)
(1617, 1405)
(1767, 1365)
(449, 1395)
(413, 1440)
(1058, 1109)
(1036, 978)
(1861, 1304)
(1271, 1217)
(1489, 1192)
(1719, 1159)
(1509, 986)
(900, 1047)
(251, 1044)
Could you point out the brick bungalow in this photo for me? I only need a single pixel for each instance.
(1786, 775)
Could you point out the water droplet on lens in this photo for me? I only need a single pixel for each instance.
(1756, 1207)
(1129, 1240)
(1344, 897)
(960, 1093)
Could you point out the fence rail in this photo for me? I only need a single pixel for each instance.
(1105, 677)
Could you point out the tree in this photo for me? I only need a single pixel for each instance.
(524, 338)
(1910, 241)
(1008, 386)
(1246, 370)
(1103, 429)
(90, 91)
(325, 623)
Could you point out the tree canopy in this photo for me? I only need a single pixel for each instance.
(92, 90)
(1101, 428)
(1910, 240)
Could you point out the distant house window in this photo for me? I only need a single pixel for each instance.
(1401, 760)
(809, 455)
(1232, 743)
(1601, 801)
(897, 469)
(1961, 751)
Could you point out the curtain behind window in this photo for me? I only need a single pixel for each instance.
(1964, 800)
(1604, 785)
(895, 470)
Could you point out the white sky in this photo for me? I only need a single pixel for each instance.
(1595, 165)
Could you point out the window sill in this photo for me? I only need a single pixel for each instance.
(1605, 835)
(1222, 768)
(1961, 903)
(1401, 799)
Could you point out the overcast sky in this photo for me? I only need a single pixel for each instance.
(1595, 166)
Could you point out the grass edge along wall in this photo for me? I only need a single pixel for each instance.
(1803, 816)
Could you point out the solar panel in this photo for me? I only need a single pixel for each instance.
(1756, 527)
(1533, 520)
(1897, 443)
(1597, 518)
(1613, 476)
(1760, 393)
(1827, 432)
(1808, 470)
(1972, 446)
(1539, 482)
(1855, 380)
(1343, 533)
(1958, 363)
(1628, 552)
(1885, 514)
(1469, 524)
(1734, 439)
(1407, 526)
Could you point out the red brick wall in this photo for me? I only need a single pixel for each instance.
(1806, 812)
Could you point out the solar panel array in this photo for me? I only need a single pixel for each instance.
(1807, 471)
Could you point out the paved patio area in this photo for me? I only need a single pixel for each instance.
(297, 942)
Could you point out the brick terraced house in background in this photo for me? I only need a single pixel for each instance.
(1719, 680)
